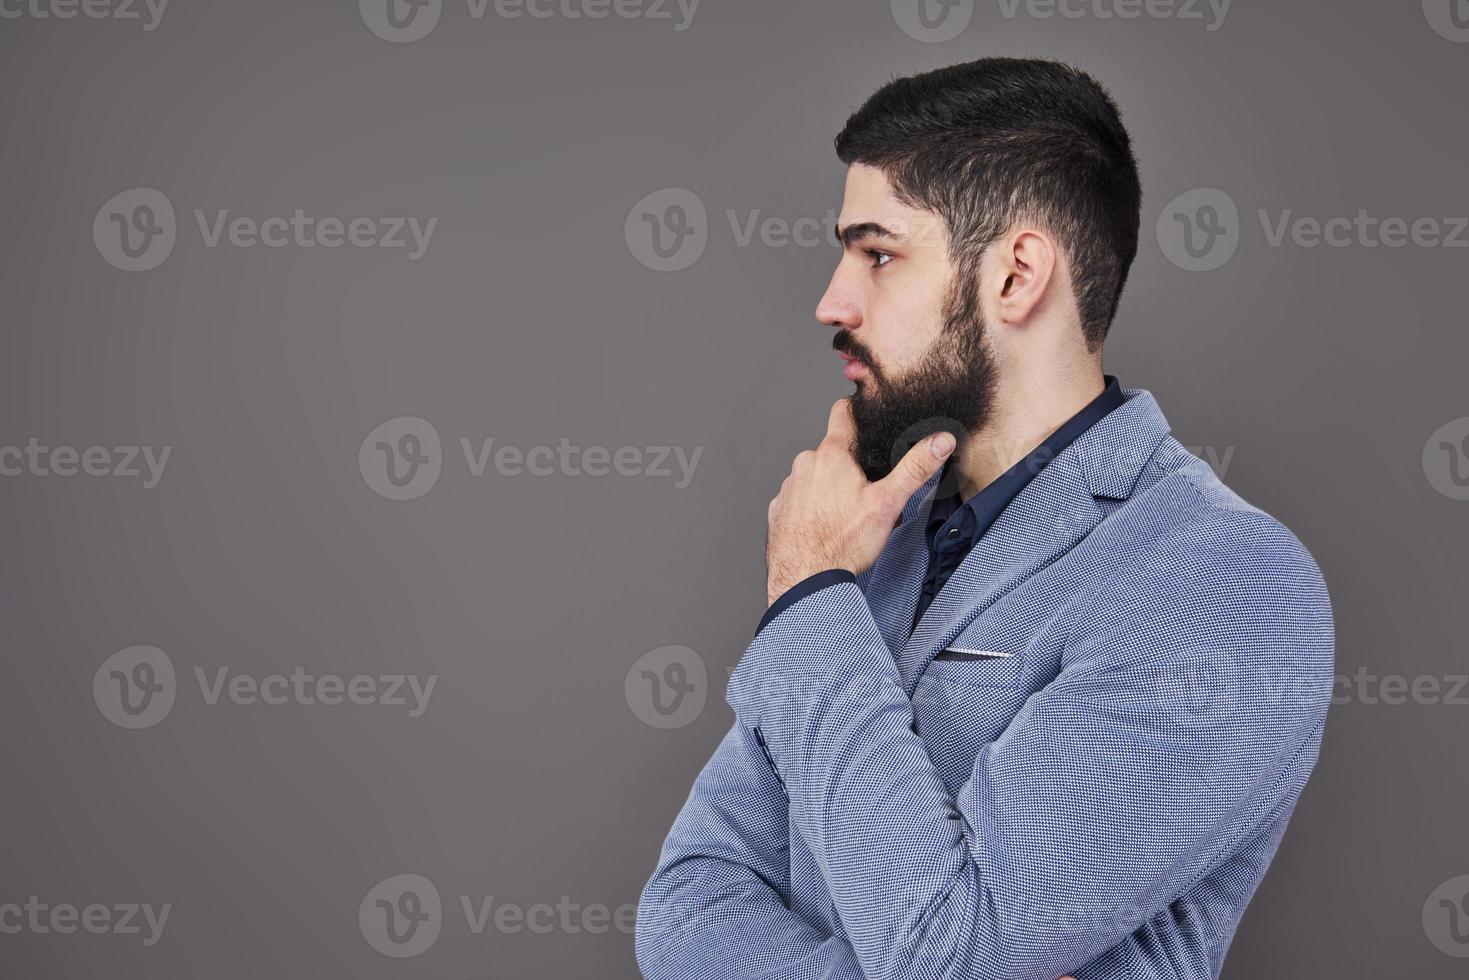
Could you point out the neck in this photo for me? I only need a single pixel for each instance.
(1028, 407)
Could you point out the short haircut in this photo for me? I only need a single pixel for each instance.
(988, 143)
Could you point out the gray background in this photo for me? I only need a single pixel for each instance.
(1315, 376)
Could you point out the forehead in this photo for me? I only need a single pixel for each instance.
(869, 197)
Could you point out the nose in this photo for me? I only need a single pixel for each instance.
(837, 306)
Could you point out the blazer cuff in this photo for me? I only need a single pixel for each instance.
(803, 588)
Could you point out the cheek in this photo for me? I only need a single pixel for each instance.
(906, 330)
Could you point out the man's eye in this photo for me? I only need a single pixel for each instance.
(877, 257)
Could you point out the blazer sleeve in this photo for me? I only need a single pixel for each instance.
(1187, 714)
(716, 906)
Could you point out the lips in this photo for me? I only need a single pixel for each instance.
(853, 366)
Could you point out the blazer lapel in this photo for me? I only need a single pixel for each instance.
(1056, 509)
(894, 581)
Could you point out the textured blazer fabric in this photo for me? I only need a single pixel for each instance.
(1102, 798)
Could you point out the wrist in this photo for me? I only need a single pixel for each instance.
(801, 589)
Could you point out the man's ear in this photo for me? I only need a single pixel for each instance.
(1027, 260)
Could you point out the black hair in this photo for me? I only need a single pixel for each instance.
(987, 143)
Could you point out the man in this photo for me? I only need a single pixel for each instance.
(1036, 693)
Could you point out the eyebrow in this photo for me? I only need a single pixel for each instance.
(852, 234)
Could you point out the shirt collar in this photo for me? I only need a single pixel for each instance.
(987, 503)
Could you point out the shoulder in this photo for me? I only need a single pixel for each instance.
(1206, 568)
(1198, 521)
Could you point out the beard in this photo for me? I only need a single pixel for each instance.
(950, 389)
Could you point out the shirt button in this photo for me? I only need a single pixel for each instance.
(953, 532)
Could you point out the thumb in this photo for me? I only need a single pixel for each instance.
(921, 462)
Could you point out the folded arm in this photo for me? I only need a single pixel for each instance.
(716, 905)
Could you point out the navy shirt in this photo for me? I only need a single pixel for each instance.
(954, 526)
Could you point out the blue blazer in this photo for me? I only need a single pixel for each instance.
(1081, 761)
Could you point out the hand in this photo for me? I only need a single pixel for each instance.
(827, 514)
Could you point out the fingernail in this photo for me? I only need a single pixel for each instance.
(941, 444)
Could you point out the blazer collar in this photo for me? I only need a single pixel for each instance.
(1056, 509)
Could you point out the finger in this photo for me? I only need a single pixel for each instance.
(921, 462)
(839, 424)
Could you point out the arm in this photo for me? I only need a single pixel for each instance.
(717, 897)
(715, 906)
(1102, 804)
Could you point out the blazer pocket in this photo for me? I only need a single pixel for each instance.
(957, 653)
(976, 667)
